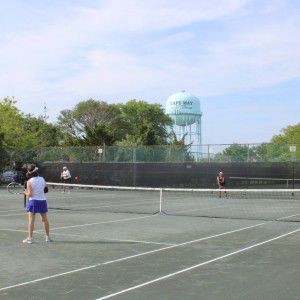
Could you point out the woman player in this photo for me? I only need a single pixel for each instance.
(221, 183)
(66, 177)
(35, 191)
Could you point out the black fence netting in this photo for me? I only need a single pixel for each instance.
(189, 175)
(244, 165)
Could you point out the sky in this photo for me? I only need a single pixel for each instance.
(240, 57)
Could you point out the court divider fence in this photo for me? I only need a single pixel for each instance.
(245, 165)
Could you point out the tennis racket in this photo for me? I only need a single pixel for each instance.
(15, 188)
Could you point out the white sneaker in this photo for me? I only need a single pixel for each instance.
(28, 241)
(48, 239)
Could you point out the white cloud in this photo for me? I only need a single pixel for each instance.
(109, 72)
(137, 48)
(152, 15)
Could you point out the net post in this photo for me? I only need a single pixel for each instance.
(160, 200)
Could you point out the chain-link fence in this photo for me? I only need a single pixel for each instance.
(265, 152)
(245, 165)
(222, 153)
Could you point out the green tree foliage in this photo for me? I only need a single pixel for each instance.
(145, 121)
(98, 135)
(12, 125)
(3, 154)
(178, 150)
(130, 141)
(234, 153)
(94, 123)
(276, 150)
(91, 122)
(289, 135)
(44, 134)
(22, 134)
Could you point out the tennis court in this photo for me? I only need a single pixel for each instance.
(154, 244)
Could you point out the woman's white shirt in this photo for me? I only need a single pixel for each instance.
(66, 174)
(37, 185)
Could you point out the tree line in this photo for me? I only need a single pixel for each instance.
(89, 123)
(133, 124)
(278, 149)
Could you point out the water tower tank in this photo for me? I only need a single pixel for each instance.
(183, 108)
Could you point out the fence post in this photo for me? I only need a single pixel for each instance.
(160, 200)
(134, 154)
(293, 162)
(208, 153)
(134, 165)
(104, 153)
(248, 152)
(293, 150)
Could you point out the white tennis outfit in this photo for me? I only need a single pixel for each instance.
(66, 174)
(37, 202)
(38, 185)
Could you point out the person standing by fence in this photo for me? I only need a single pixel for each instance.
(221, 184)
(66, 178)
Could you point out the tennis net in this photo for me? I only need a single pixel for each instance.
(256, 182)
(252, 204)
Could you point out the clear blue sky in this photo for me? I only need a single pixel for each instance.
(241, 57)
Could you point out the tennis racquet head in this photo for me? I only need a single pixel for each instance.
(15, 188)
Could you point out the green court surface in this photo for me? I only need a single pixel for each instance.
(147, 255)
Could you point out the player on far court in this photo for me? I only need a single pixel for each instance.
(66, 177)
(35, 191)
(221, 183)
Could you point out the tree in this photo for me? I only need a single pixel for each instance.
(44, 134)
(3, 154)
(12, 125)
(234, 153)
(145, 121)
(279, 148)
(98, 135)
(94, 122)
(21, 134)
(178, 150)
(289, 135)
(91, 122)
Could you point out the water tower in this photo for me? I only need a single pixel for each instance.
(184, 109)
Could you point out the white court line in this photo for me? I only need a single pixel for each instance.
(287, 217)
(197, 209)
(104, 222)
(115, 221)
(130, 257)
(137, 218)
(10, 210)
(198, 265)
(142, 242)
(100, 238)
(23, 214)
(83, 207)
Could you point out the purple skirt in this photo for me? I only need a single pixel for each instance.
(37, 206)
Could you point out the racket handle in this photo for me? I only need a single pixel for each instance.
(24, 199)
